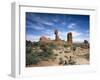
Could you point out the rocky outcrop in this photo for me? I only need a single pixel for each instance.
(69, 39)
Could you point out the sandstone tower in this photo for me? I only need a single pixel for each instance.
(69, 39)
(56, 35)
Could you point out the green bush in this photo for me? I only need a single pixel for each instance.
(35, 44)
(52, 46)
(66, 45)
(87, 56)
(34, 56)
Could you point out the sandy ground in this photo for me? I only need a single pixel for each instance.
(61, 54)
(81, 61)
(45, 63)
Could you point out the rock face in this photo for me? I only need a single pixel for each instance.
(44, 39)
(56, 35)
(57, 40)
(69, 39)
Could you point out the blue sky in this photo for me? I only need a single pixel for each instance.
(44, 24)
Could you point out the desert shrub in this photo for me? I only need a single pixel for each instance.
(71, 61)
(34, 56)
(65, 62)
(46, 48)
(61, 62)
(66, 57)
(28, 43)
(65, 45)
(28, 49)
(74, 48)
(52, 46)
(31, 56)
(28, 59)
(43, 47)
(35, 44)
(47, 53)
(56, 54)
(28, 46)
(87, 56)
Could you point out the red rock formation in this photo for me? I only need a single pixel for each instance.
(69, 39)
(56, 35)
(43, 39)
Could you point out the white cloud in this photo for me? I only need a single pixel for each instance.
(80, 39)
(87, 31)
(32, 37)
(43, 21)
(63, 23)
(77, 36)
(52, 37)
(36, 38)
(71, 26)
(47, 22)
(48, 32)
(76, 33)
(38, 27)
(63, 35)
(55, 20)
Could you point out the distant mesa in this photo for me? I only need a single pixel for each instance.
(85, 44)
